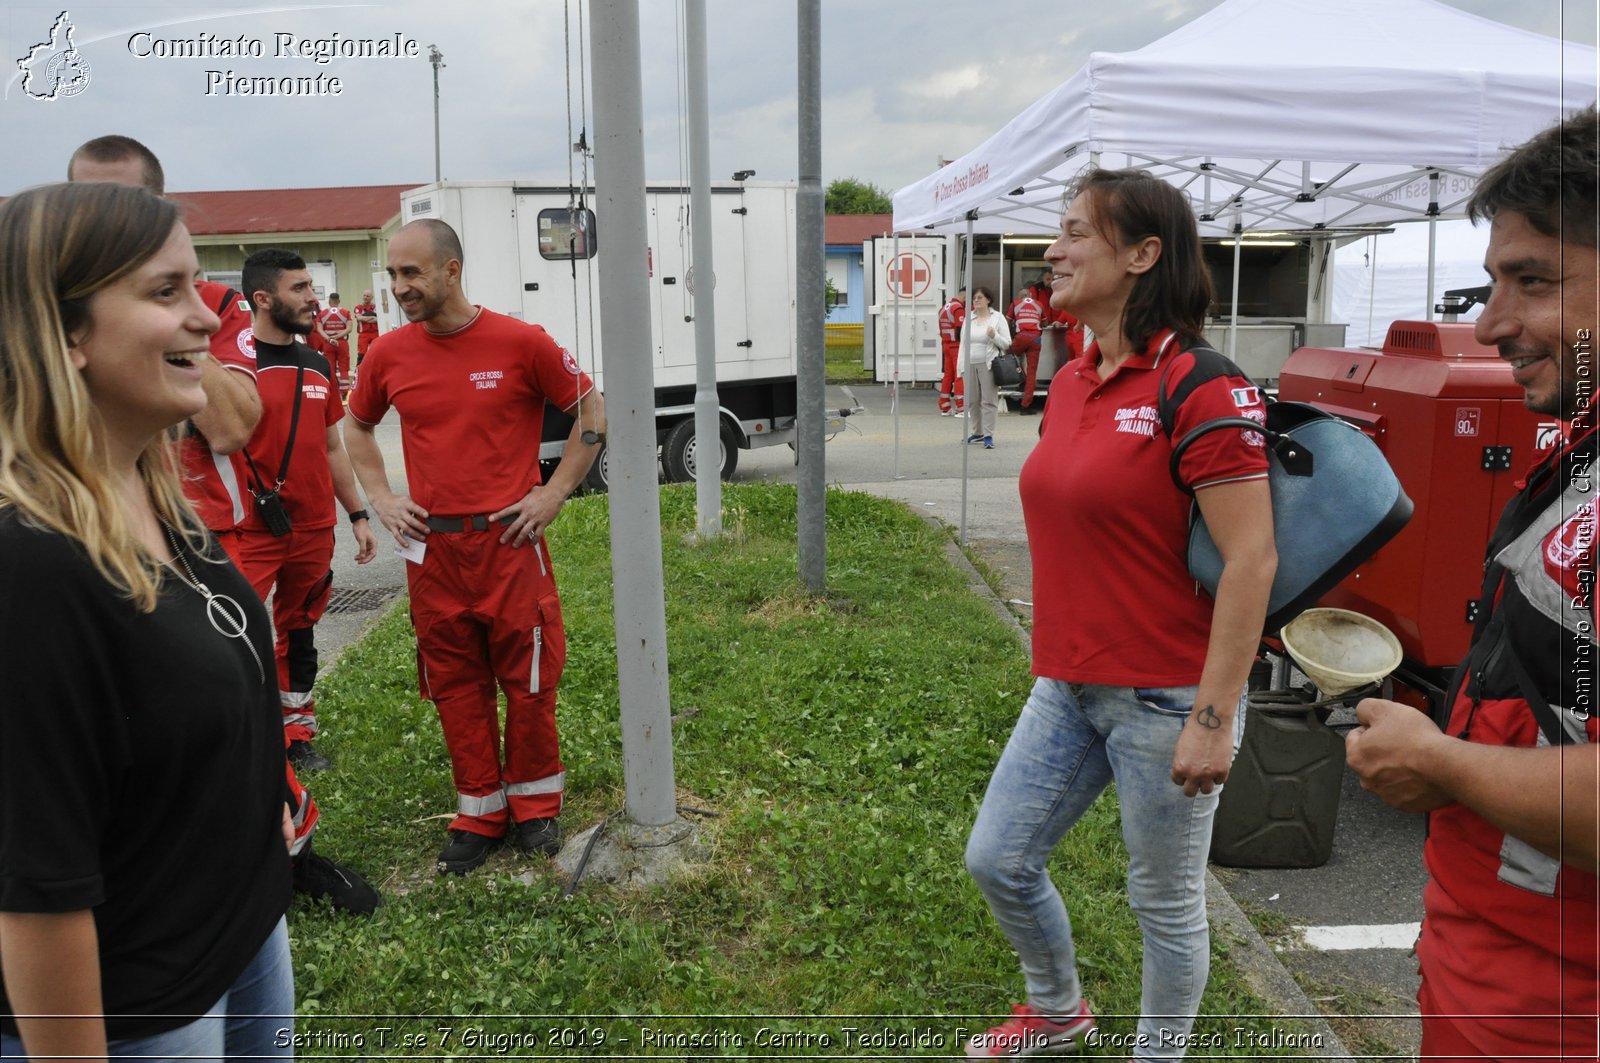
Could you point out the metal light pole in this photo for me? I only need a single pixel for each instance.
(809, 311)
(707, 418)
(636, 568)
(436, 59)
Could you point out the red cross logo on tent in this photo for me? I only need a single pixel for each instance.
(909, 276)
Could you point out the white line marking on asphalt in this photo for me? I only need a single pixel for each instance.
(1345, 938)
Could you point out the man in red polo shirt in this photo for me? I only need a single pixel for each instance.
(333, 325)
(470, 386)
(366, 312)
(1027, 316)
(294, 464)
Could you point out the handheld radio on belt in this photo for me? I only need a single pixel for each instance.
(269, 504)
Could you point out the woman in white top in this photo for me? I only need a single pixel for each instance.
(984, 336)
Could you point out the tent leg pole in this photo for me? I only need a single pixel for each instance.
(964, 355)
(1233, 312)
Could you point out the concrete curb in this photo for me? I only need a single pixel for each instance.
(1256, 961)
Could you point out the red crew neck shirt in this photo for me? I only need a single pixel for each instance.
(1114, 603)
(308, 487)
(209, 479)
(471, 405)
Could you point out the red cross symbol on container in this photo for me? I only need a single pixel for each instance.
(909, 276)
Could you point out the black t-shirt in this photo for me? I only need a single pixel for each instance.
(141, 776)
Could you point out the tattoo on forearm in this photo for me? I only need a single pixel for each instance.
(1208, 718)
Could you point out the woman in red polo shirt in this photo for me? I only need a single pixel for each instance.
(1140, 675)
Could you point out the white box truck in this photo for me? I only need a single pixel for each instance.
(532, 252)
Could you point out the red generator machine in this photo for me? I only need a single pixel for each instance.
(1446, 413)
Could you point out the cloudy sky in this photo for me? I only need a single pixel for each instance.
(904, 82)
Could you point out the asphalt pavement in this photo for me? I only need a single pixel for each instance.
(1342, 931)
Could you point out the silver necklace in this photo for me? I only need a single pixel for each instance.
(226, 615)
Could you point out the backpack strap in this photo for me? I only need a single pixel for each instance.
(1209, 364)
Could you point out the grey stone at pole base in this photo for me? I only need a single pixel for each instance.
(632, 856)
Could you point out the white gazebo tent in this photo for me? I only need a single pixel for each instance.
(1276, 115)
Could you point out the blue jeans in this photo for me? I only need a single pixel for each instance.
(253, 1020)
(1071, 740)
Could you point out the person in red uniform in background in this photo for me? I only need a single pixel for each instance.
(1062, 321)
(952, 316)
(296, 457)
(333, 325)
(1027, 317)
(1510, 945)
(470, 386)
(1055, 317)
(233, 408)
(366, 312)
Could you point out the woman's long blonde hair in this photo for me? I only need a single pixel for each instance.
(59, 245)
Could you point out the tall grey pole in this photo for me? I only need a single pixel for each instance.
(1233, 306)
(1433, 237)
(436, 59)
(707, 420)
(964, 354)
(637, 583)
(894, 385)
(812, 546)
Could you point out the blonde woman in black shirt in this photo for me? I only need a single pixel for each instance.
(141, 911)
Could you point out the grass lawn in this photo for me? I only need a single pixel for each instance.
(845, 741)
(844, 365)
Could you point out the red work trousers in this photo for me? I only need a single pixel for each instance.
(228, 539)
(952, 384)
(1448, 1038)
(303, 809)
(296, 570)
(488, 615)
(1025, 345)
(339, 355)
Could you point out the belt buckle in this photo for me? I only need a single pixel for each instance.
(476, 522)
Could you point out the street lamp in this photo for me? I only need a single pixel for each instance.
(436, 58)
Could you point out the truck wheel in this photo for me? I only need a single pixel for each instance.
(678, 451)
(598, 478)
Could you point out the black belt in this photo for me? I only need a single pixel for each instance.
(474, 522)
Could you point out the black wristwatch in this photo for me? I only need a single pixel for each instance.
(358, 514)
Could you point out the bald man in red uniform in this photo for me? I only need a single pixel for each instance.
(470, 386)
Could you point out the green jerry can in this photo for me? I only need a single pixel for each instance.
(1281, 801)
